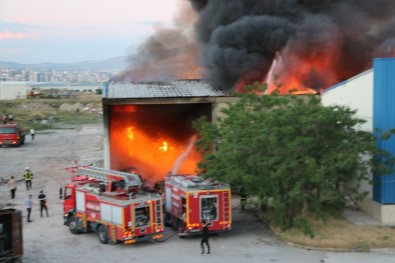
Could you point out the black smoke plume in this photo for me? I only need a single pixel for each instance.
(240, 39)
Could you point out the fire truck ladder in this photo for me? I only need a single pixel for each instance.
(105, 175)
(158, 213)
(226, 205)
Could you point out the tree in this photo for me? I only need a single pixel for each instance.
(291, 149)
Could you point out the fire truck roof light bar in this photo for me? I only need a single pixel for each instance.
(131, 179)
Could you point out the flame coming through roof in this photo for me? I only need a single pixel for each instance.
(306, 43)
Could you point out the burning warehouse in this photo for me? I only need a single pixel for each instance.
(301, 45)
(148, 125)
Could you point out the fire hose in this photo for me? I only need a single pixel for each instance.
(167, 238)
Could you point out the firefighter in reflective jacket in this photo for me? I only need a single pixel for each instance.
(28, 177)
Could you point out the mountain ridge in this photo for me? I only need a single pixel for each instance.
(108, 64)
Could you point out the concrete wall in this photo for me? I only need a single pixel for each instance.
(11, 90)
(385, 214)
(219, 104)
(356, 93)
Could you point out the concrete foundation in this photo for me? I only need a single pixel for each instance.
(385, 214)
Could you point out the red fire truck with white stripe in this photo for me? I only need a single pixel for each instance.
(111, 204)
(190, 199)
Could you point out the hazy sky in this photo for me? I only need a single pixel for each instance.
(34, 31)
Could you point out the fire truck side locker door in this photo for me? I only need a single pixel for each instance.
(111, 213)
(80, 201)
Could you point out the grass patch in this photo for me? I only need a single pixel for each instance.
(78, 118)
(44, 114)
(337, 233)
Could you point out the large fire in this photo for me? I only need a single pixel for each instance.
(308, 75)
(145, 141)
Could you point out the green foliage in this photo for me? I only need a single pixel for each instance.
(305, 225)
(291, 149)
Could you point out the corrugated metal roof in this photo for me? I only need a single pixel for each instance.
(165, 89)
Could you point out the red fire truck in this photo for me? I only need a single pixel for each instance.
(11, 134)
(190, 199)
(111, 204)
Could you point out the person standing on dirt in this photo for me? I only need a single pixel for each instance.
(12, 186)
(32, 132)
(29, 205)
(28, 177)
(204, 239)
(43, 203)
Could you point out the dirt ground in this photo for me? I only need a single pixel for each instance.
(47, 156)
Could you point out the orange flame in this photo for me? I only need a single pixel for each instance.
(298, 73)
(151, 150)
(130, 133)
(164, 147)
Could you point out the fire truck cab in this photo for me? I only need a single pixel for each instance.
(190, 199)
(11, 134)
(111, 204)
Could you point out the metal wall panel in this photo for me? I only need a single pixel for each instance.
(384, 119)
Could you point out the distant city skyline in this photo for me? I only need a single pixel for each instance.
(71, 31)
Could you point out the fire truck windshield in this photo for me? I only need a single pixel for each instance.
(7, 130)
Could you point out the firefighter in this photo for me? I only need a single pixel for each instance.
(28, 177)
(204, 239)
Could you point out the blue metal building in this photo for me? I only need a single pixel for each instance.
(384, 119)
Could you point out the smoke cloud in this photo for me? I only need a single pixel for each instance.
(170, 53)
(331, 40)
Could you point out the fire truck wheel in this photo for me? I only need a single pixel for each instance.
(73, 226)
(102, 234)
